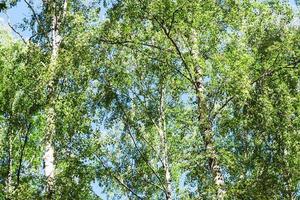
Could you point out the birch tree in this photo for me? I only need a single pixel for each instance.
(160, 99)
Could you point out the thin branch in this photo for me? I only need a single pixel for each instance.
(123, 43)
(167, 33)
(36, 18)
(33, 12)
(14, 30)
(22, 154)
(129, 42)
(173, 17)
(267, 73)
(127, 187)
(172, 21)
(118, 180)
(139, 99)
(223, 106)
(127, 119)
(175, 46)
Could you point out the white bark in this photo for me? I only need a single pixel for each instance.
(204, 120)
(49, 159)
(49, 152)
(164, 146)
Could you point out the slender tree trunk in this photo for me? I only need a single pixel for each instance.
(49, 152)
(9, 180)
(204, 121)
(164, 145)
(49, 159)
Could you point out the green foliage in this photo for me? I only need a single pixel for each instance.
(135, 94)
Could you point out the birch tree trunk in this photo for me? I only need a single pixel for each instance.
(164, 145)
(9, 180)
(204, 121)
(57, 16)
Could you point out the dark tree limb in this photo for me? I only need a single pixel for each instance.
(22, 154)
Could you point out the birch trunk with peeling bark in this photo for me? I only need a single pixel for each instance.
(49, 158)
(204, 121)
(164, 145)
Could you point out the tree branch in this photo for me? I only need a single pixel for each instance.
(128, 121)
(118, 42)
(118, 180)
(22, 154)
(36, 18)
(167, 33)
(14, 30)
(267, 73)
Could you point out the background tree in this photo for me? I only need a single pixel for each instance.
(20, 104)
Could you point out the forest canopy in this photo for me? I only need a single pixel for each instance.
(150, 99)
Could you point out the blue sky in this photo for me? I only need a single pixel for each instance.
(15, 15)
